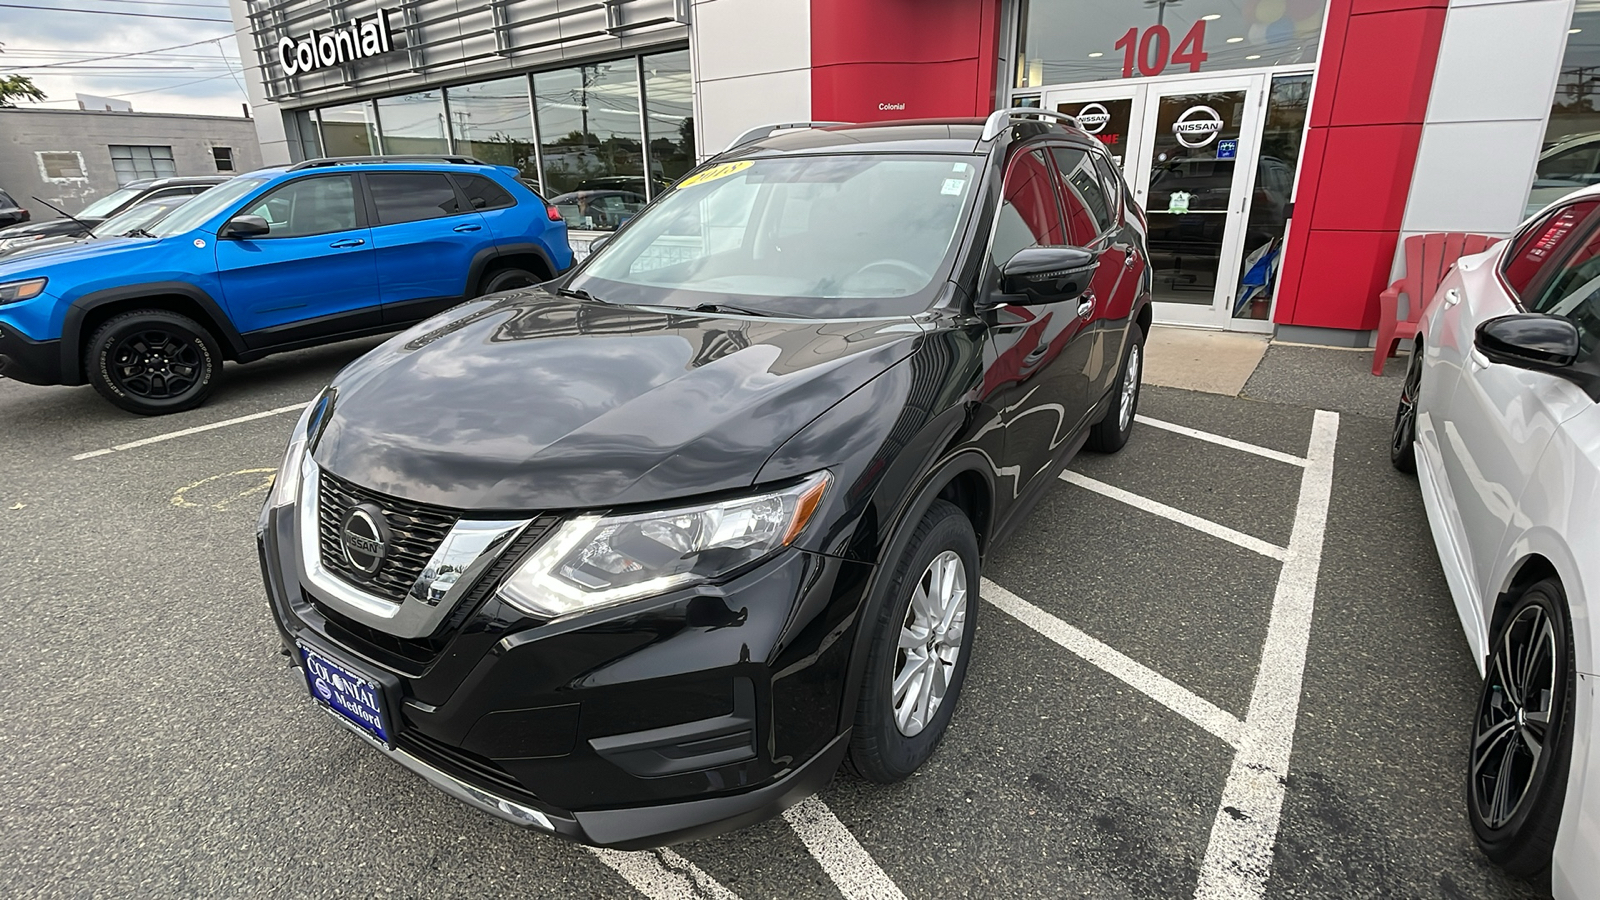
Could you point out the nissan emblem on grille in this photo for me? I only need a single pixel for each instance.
(364, 537)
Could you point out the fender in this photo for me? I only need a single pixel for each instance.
(900, 536)
(488, 255)
(72, 322)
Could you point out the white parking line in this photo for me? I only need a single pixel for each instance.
(663, 875)
(1147, 681)
(1223, 532)
(1219, 440)
(188, 431)
(1245, 831)
(851, 867)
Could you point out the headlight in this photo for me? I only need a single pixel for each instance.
(12, 291)
(598, 561)
(286, 487)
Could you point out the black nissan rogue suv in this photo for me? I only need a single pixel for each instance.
(644, 553)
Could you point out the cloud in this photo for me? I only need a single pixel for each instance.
(47, 46)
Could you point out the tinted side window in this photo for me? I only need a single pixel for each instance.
(411, 196)
(309, 206)
(1573, 292)
(1083, 197)
(1027, 216)
(1539, 246)
(483, 193)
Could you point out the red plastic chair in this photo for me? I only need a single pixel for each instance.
(1428, 258)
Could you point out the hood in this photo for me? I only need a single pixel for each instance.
(49, 226)
(540, 402)
(28, 260)
(52, 242)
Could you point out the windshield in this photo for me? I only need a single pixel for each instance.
(111, 201)
(846, 235)
(194, 213)
(138, 216)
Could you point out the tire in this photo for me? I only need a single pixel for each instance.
(153, 362)
(1403, 439)
(508, 279)
(888, 744)
(1110, 434)
(1519, 834)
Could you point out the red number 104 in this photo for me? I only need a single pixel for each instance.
(1149, 50)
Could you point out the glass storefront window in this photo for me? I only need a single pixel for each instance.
(304, 124)
(492, 121)
(1570, 158)
(413, 123)
(1066, 41)
(590, 141)
(668, 111)
(349, 130)
(1281, 137)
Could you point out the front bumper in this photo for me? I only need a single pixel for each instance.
(661, 721)
(26, 360)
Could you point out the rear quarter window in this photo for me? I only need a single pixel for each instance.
(483, 193)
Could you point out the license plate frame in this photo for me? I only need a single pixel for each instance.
(358, 699)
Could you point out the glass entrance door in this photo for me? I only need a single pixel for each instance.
(1106, 112)
(1193, 183)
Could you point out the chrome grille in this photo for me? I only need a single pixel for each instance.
(416, 531)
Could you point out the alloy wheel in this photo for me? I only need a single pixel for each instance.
(930, 642)
(1130, 389)
(1514, 717)
(156, 364)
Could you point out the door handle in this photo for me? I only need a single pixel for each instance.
(1452, 297)
(347, 243)
(1127, 259)
(1086, 306)
(465, 228)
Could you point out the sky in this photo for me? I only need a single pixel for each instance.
(60, 45)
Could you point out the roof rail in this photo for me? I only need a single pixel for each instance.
(1000, 118)
(756, 134)
(363, 160)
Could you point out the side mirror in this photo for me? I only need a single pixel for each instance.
(1049, 274)
(245, 227)
(1529, 341)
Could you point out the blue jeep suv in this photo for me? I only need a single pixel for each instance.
(273, 260)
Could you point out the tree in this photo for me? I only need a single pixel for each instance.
(17, 87)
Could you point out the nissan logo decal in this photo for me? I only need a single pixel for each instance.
(1198, 126)
(1093, 117)
(364, 538)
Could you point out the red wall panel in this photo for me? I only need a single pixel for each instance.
(912, 58)
(1372, 86)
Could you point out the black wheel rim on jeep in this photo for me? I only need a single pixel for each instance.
(1513, 726)
(156, 364)
(1405, 417)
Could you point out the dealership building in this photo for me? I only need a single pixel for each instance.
(1282, 148)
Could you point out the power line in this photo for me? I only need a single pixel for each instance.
(106, 12)
(135, 52)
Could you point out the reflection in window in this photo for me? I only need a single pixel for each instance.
(1274, 189)
(349, 130)
(1571, 156)
(589, 128)
(1094, 40)
(413, 123)
(669, 109)
(493, 122)
(303, 128)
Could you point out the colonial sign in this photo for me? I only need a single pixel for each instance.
(359, 39)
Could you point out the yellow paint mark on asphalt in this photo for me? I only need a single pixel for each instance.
(206, 491)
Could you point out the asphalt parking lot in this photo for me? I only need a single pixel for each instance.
(1221, 663)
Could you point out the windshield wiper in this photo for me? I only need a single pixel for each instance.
(728, 308)
(579, 294)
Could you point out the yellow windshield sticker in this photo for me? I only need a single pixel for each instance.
(715, 172)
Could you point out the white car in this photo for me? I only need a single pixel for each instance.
(1499, 419)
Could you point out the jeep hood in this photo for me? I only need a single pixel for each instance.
(540, 402)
